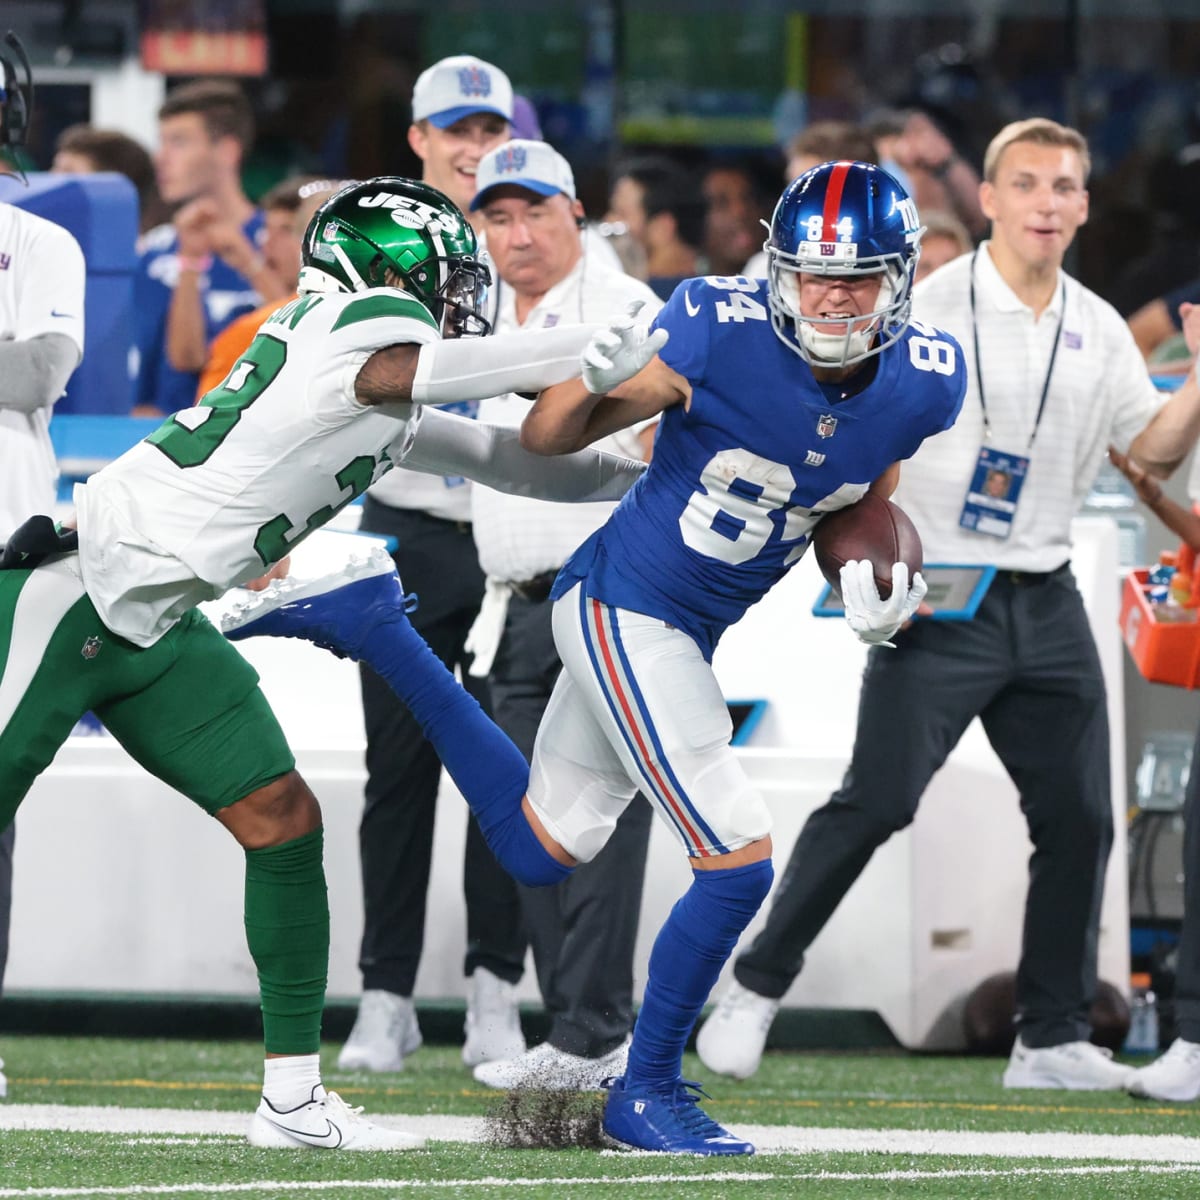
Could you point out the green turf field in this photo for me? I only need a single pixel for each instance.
(122, 1117)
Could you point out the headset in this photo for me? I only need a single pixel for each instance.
(18, 105)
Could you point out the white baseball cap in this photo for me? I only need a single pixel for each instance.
(523, 163)
(459, 86)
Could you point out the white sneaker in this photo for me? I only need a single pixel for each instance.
(1174, 1076)
(3, 1081)
(548, 1069)
(326, 1122)
(493, 1025)
(732, 1040)
(384, 1034)
(1076, 1066)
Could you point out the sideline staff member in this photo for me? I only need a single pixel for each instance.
(1055, 377)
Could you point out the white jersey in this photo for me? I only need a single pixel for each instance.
(42, 277)
(221, 491)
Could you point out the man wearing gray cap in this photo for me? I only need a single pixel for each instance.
(582, 930)
(461, 107)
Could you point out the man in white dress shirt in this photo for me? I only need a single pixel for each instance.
(1055, 378)
(583, 930)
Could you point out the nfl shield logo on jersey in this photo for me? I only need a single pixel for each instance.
(826, 424)
(91, 648)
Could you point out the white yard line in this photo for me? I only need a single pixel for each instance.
(293, 1187)
(777, 1139)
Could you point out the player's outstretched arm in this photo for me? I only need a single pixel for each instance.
(449, 372)
(446, 444)
(623, 381)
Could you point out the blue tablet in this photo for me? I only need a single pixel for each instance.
(955, 591)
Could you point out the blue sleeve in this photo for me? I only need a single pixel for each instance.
(951, 401)
(687, 317)
(150, 301)
(1188, 294)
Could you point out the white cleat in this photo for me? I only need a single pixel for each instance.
(1072, 1066)
(326, 1122)
(1175, 1076)
(493, 1024)
(548, 1069)
(731, 1042)
(385, 1033)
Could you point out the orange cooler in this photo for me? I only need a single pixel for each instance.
(1164, 651)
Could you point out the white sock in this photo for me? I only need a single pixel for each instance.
(292, 1081)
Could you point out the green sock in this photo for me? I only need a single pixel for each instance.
(287, 931)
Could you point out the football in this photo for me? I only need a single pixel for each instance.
(873, 528)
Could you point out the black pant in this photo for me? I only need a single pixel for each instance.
(6, 868)
(1027, 666)
(1187, 967)
(437, 560)
(582, 930)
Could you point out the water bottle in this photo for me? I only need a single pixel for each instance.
(1143, 1017)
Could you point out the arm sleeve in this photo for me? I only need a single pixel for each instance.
(476, 368)
(36, 371)
(445, 444)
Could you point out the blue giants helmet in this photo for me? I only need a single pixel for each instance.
(842, 219)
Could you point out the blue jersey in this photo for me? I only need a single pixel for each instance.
(742, 474)
(226, 298)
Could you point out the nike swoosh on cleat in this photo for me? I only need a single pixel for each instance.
(331, 1139)
(692, 309)
(56, 313)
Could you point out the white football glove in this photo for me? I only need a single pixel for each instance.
(872, 619)
(619, 352)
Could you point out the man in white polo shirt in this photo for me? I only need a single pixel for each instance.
(582, 930)
(1055, 378)
(42, 277)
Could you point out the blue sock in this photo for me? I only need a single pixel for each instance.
(691, 948)
(488, 769)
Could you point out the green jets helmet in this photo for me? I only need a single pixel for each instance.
(393, 232)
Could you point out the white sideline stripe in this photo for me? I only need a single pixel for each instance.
(396, 1185)
(770, 1139)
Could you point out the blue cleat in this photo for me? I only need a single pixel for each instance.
(666, 1117)
(334, 612)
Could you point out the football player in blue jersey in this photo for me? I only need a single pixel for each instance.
(781, 400)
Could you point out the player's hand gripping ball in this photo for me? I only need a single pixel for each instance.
(869, 552)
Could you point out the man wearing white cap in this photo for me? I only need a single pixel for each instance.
(461, 107)
(582, 930)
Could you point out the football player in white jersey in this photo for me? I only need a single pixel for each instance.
(326, 399)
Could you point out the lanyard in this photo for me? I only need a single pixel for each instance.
(1062, 312)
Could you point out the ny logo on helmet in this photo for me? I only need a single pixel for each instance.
(510, 158)
(474, 81)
